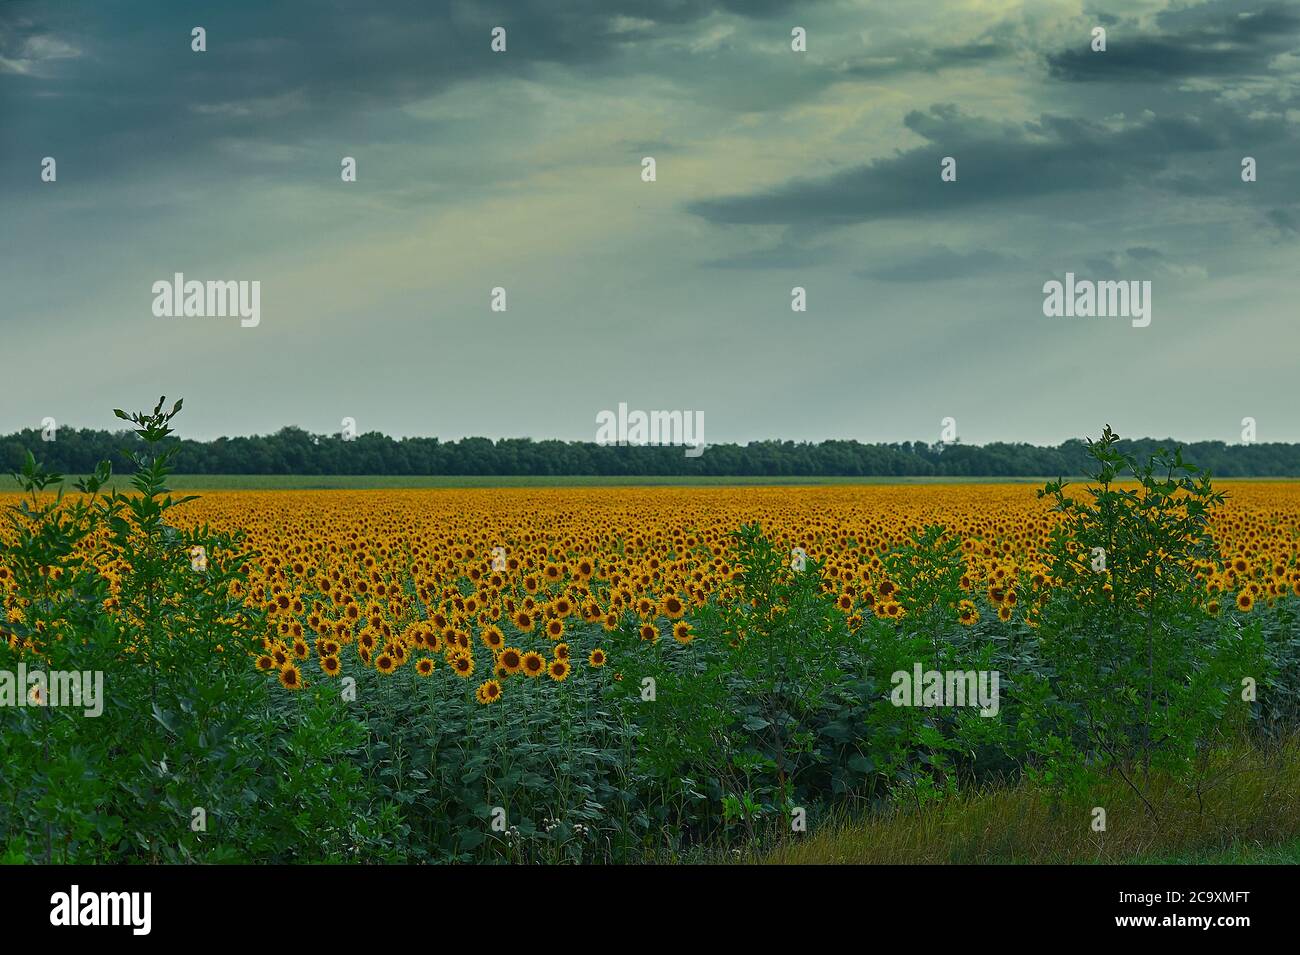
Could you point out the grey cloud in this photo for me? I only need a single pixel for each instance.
(137, 91)
(996, 163)
(1214, 40)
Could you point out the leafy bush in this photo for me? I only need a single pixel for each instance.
(191, 759)
(1139, 672)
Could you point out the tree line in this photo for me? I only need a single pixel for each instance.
(292, 450)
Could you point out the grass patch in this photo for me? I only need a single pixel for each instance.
(366, 482)
(1241, 854)
(359, 482)
(1248, 811)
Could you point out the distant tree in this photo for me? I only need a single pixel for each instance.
(293, 450)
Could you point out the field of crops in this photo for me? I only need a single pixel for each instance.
(619, 674)
(384, 580)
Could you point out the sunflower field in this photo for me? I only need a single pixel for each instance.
(614, 674)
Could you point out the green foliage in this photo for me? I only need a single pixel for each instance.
(542, 779)
(293, 451)
(191, 758)
(778, 707)
(1139, 673)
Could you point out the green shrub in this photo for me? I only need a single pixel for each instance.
(1135, 672)
(191, 759)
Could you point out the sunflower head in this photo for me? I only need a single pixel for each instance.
(488, 692)
(462, 664)
(558, 670)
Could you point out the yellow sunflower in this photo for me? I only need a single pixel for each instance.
(558, 670)
(290, 677)
(462, 664)
(533, 664)
(511, 660)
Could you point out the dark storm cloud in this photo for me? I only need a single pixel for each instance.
(1216, 40)
(279, 72)
(997, 163)
(751, 8)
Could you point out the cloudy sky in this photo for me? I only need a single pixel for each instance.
(775, 169)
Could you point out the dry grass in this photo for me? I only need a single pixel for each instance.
(1248, 809)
